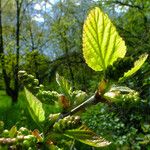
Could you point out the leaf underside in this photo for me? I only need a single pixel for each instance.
(35, 107)
(102, 45)
(85, 135)
(137, 65)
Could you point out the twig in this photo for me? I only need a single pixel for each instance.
(127, 4)
(91, 101)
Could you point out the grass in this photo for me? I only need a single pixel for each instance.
(5, 101)
(18, 114)
(15, 114)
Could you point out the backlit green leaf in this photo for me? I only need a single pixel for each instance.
(85, 135)
(35, 107)
(102, 45)
(137, 65)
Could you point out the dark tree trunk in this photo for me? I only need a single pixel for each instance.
(9, 91)
(16, 85)
(13, 93)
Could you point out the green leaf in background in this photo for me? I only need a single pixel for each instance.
(102, 45)
(35, 107)
(137, 65)
(64, 85)
(85, 135)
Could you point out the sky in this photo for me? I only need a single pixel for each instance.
(46, 6)
(42, 6)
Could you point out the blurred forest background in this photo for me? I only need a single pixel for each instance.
(43, 37)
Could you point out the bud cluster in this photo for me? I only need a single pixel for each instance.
(33, 85)
(21, 138)
(29, 81)
(130, 97)
(69, 122)
(47, 97)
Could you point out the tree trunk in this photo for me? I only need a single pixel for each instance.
(16, 85)
(13, 93)
(9, 90)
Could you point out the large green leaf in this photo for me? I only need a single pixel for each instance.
(35, 107)
(137, 65)
(102, 45)
(85, 135)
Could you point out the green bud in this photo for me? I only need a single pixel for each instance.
(21, 72)
(41, 86)
(30, 148)
(74, 122)
(29, 85)
(36, 81)
(20, 138)
(71, 118)
(57, 127)
(62, 124)
(5, 134)
(22, 76)
(77, 119)
(29, 137)
(69, 123)
(73, 125)
(24, 131)
(31, 77)
(53, 118)
(26, 143)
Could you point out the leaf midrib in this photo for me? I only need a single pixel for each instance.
(98, 42)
